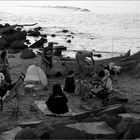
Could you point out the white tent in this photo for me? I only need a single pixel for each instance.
(35, 76)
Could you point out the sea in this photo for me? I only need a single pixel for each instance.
(110, 28)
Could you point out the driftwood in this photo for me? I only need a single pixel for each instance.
(2, 30)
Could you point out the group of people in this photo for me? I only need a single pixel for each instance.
(81, 59)
(99, 86)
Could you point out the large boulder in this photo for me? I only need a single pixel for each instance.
(17, 45)
(109, 119)
(26, 133)
(27, 54)
(123, 126)
(133, 131)
(63, 132)
(18, 35)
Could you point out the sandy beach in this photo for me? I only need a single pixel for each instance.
(126, 86)
(107, 30)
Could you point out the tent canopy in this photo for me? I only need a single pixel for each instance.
(35, 75)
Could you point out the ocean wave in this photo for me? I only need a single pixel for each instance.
(59, 7)
(69, 7)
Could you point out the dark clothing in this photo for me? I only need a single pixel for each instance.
(48, 55)
(69, 84)
(57, 104)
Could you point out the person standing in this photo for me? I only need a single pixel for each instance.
(81, 60)
(47, 55)
(4, 66)
(70, 82)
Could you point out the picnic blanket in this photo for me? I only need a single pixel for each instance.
(93, 128)
(43, 108)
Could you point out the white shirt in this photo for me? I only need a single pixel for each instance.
(2, 77)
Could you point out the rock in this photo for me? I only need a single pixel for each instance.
(9, 32)
(123, 126)
(39, 43)
(113, 110)
(27, 54)
(58, 52)
(60, 48)
(43, 130)
(11, 51)
(62, 132)
(109, 119)
(130, 115)
(53, 35)
(1, 26)
(17, 45)
(27, 41)
(68, 35)
(37, 28)
(10, 135)
(98, 129)
(31, 124)
(54, 43)
(65, 31)
(43, 35)
(3, 43)
(33, 33)
(26, 133)
(69, 41)
(133, 131)
(18, 35)
(7, 25)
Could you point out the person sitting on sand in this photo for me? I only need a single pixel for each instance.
(47, 55)
(104, 82)
(57, 102)
(4, 66)
(114, 71)
(70, 82)
(81, 60)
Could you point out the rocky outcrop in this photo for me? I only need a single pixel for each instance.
(39, 43)
(27, 54)
(17, 45)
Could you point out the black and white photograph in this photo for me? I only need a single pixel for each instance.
(69, 69)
